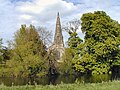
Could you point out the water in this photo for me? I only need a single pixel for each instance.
(58, 79)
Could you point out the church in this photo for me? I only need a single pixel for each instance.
(58, 45)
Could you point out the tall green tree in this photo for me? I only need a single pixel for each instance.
(28, 54)
(101, 47)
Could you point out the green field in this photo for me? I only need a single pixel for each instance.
(115, 85)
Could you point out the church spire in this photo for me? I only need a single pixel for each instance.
(58, 38)
(58, 45)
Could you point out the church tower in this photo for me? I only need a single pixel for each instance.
(58, 44)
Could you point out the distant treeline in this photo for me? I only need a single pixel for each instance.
(98, 53)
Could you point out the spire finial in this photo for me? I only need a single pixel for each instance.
(58, 14)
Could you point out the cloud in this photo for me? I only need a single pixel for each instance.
(84, 6)
(36, 12)
(44, 10)
(13, 13)
(26, 17)
(7, 20)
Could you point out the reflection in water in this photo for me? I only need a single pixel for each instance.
(58, 79)
(52, 79)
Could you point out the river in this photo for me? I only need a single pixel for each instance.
(58, 79)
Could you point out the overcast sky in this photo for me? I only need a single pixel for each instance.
(13, 13)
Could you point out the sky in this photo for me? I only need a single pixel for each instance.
(13, 13)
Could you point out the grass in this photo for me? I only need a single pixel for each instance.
(114, 85)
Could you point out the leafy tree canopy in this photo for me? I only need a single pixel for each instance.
(101, 47)
(28, 53)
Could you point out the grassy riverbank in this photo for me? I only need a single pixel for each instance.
(115, 85)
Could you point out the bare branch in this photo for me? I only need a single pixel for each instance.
(71, 26)
(45, 35)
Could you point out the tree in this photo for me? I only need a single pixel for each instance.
(4, 53)
(73, 42)
(45, 36)
(1, 53)
(71, 27)
(67, 67)
(101, 47)
(28, 54)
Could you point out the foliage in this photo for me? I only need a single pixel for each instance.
(66, 67)
(98, 54)
(0, 43)
(28, 54)
(71, 28)
(74, 40)
(1, 54)
(4, 53)
(101, 47)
